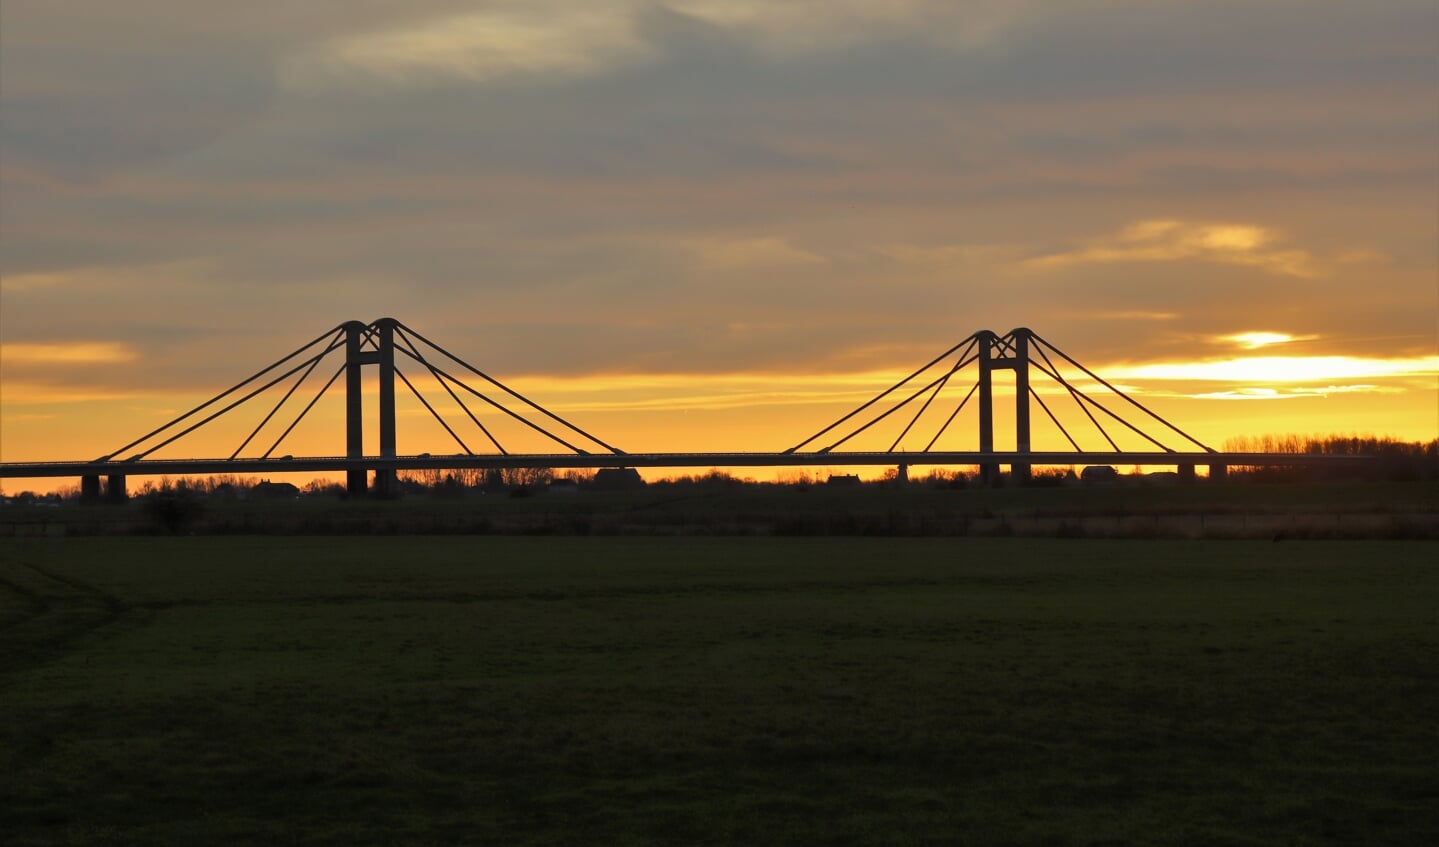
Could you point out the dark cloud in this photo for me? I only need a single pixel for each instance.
(704, 194)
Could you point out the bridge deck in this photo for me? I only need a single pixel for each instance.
(308, 464)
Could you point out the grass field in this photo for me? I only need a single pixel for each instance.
(1241, 510)
(740, 690)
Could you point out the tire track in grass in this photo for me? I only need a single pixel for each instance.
(55, 611)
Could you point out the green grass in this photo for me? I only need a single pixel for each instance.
(497, 690)
(1338, 510)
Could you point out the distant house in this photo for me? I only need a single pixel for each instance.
(843, 479)
(266, 490)
(618, 479)
(1099, 474)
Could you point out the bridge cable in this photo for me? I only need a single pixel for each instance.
(142, 439)
(434, 372)
(293, 388)
(1045, 407)
(1074, 394)
(1098, 405)
(922, 409)
(521, 418)
(523, 399)
(937, 359)
(900, 405)
(1132, 401)
(427, 405)
(306, 410)
(267, 386)
(952, 415)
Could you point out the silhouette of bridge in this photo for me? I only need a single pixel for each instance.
(918, 402)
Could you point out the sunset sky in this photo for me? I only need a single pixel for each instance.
(718, 224)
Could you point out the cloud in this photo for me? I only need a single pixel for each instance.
(30, 394)
(554, 190)
(559, 40)
(1280, 369)
(1176, 241)
(503, 40)
(71, 353)
(1135, 315)
(18, 282)
(952, 255)
(763, 252)
(1290, 393)
(1255, 340)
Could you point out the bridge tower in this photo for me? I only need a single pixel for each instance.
(382, 334)
(995, 353)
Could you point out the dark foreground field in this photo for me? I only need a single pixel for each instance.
(499, 690)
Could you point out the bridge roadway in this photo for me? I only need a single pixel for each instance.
(311, 464)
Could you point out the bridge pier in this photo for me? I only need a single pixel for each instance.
(1218, 472)
(386, 482)
(356, 479)
(90, 489)
(1186, 474)
(115, 489)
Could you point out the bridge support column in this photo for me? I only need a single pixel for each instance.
(90, 488)
(1009, 353)
(386, 484)
(115, 489)
(1218, 472)
(988, 472)
(1186, 474)
(1019, 471)
(356, 481)
(382, 332)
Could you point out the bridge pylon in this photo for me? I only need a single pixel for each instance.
(381, 337)
(377, 343)
(995, 353)
(1031, 358)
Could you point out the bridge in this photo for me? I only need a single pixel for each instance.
(915, 406)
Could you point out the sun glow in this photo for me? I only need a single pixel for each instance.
(1282, 369)
(1252, 340)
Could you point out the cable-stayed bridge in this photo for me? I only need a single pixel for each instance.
(915, 422)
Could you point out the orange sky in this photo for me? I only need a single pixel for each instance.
(719, 224)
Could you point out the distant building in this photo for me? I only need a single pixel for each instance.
(266, 490)
(1099, 474)
(618, 479)
(843, 479)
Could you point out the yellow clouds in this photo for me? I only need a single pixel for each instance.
(1291, 393)
(1281, 369)
(1135, 315)
(17, 283)
(575, 38)
(730, 254)
(692, 392)
(547, 38)
(1177, 241)
(951, 255)
(1255, 340)
(801, 26)
(36, 394)
(71, 353)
